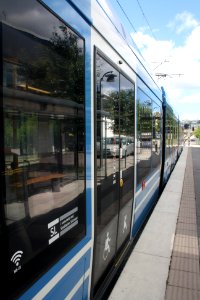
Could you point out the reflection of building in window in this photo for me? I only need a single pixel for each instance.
(44, 128)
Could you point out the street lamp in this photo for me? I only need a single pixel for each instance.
(109, 75)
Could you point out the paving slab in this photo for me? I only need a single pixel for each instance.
(184, 278)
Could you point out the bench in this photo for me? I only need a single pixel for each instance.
(53, 177)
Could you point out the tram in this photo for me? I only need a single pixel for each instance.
(72, 204)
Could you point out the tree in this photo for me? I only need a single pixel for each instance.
(197, 133)
(55, 66)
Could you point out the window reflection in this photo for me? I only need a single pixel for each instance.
(169, 132)
(108, 143)
(127, 126)
(114, 162)
(107, 118)
(149, 136)
(42, 162)
(156, 138)
(44, 127)
(144, 121)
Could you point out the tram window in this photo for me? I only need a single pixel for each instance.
(157, 139)
(108, 139)
(114, 167)
(127, 126)
(169, 133)
(144, 139)
(175, 134)
(43, 168)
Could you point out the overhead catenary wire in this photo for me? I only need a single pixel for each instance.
(142, 11)
(150, 28)
(131, 23)
(133, 27)
(161, 63)
(126, 16)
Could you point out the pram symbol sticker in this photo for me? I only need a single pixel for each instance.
(106, 250)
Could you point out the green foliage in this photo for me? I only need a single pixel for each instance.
(123, 102)
(197, 133)
(20, 132)
(57, 66)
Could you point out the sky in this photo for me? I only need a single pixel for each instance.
(167, 34)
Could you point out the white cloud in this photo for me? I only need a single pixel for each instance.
(182, 22)
(183, 91)
(147, 45)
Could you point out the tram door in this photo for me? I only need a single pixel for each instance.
(114, 166)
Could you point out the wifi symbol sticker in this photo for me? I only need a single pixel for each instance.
(16, 258)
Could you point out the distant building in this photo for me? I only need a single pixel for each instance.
(190, 124)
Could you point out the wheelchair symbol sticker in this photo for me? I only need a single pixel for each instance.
(106, 250)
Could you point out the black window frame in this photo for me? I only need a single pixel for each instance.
(97, 51)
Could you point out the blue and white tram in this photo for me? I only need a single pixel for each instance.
(172, 140)
(70, 207)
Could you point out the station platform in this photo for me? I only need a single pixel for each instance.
(164, 264)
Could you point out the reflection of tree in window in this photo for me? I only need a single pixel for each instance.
(127, 112)
(144, 123)
(43, 138)
(58, 69)
(156, 139)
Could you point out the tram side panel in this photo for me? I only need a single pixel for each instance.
(46, 184)
(137, 66)
(114, 157)
(149, 153)
(172, 143)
